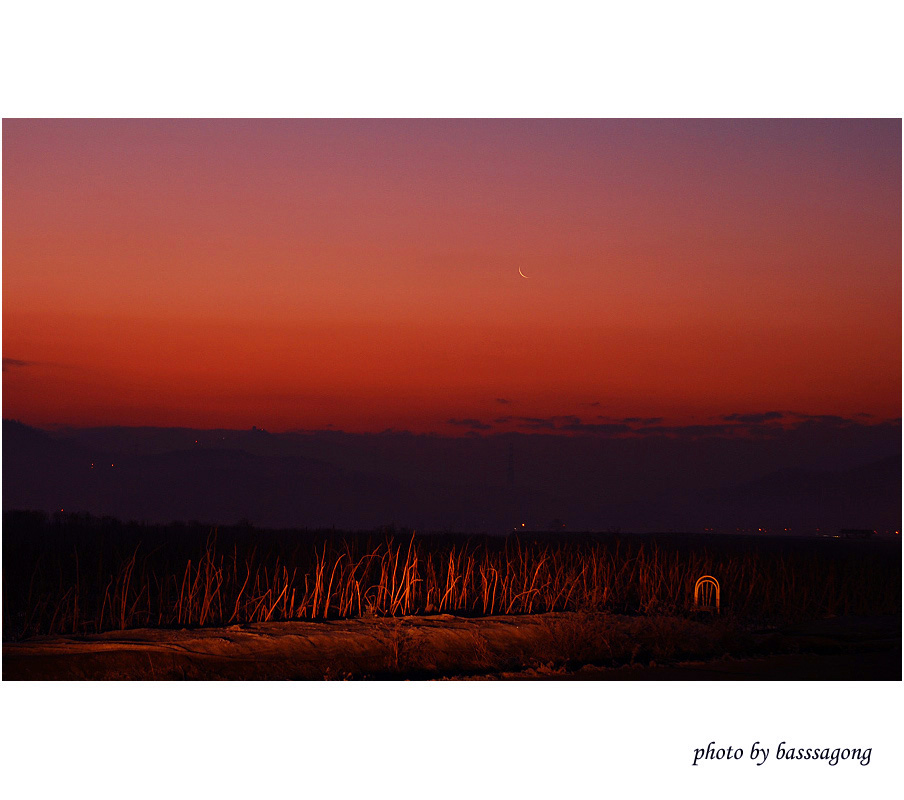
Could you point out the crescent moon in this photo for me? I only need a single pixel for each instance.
(521, 273)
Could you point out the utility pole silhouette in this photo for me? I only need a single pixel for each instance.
(511, 465)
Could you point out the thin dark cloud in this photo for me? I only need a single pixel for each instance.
(606, 428)
(567, 422)
(474, 424)
(536, 423)
(757, 426)
(822, 419)
(753, 419)
(17, 362)
(629, 420)
(503, 401)
(761, 425)
(688, 431)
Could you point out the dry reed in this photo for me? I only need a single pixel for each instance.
(333, 576)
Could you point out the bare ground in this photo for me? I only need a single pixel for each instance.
(570, 646)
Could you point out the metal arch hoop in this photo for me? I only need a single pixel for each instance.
(707, 580)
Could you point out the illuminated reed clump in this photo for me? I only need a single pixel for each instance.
(98, 583)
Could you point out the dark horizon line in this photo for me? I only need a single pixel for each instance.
(728, 426)
(408, 530)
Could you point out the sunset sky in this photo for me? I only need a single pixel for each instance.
(365, 274)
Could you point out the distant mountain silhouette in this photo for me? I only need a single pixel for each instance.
(864, 497)
(37, 468)
(324, 478)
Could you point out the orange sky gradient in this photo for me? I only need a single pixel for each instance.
(364, 274)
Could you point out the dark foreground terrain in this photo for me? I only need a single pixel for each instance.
(89, 598)
(559, 646)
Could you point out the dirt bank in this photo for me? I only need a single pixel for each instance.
(573, 645)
